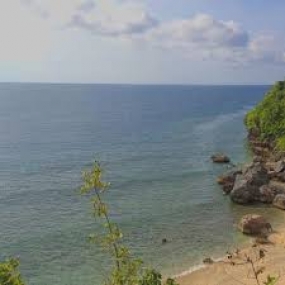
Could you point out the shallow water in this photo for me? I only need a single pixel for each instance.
(154, 143)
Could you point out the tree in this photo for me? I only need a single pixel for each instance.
(126, 269)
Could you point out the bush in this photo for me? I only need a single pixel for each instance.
(126, 269)
(9, 274)
(268, 117)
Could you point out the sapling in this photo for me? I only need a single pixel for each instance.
(126, 269)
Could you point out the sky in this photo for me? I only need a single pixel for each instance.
(142, 41)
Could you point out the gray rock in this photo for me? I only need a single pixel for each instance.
(220, 158)
(279, 201)
(280, 166)
(227, 180)
(278, 186)
(267, 194)
(254, 225)
(243, 193)
(279, 176)
(208, 260)
(273, 175)
(256, 174)
(257, 158)
(246, 188)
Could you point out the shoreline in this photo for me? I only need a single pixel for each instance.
(221, 272)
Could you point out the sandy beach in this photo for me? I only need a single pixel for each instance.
(236, 271)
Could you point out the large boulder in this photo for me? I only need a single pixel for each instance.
(254, 225)
(246, 188)
(279, 201)
(227, 180)
(242, 193)
(220, 158)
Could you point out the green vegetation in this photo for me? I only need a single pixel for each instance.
(9, 274)
(126, 269)
(268, 117)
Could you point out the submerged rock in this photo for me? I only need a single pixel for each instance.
(208, 260)
(254, 225)
(279, 201)
(164, 241)
(220, 158)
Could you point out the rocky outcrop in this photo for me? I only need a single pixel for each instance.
(254, 225)
(260, 181)
(243, 192)
(247, 185)
(220, 158)
(259, 148)
(279, 201)
(256, 174)
(227, 180)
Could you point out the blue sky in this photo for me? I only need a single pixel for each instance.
(143, 41)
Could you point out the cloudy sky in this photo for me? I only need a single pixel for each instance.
(143, 41)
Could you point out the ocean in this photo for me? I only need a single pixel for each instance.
(154, 143)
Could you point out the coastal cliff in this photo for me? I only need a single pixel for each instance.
(266, 124)
(262, 180)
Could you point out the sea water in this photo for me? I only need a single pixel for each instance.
(154, 143)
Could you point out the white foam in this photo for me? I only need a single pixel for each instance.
(221, 119)
(196, 268)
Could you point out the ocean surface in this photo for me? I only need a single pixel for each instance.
(154, 143)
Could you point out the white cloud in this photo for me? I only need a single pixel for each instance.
(203, 37)
(197, 37)
(200, 30)
(104, 17)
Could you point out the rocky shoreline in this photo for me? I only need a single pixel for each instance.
(262, 180)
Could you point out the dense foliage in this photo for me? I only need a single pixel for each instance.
(9, 274)
(268, 117)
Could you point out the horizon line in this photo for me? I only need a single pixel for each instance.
(134, 84)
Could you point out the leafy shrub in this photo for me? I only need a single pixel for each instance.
(280, 143)
(127, 270)
(9, 274)
(268, 117)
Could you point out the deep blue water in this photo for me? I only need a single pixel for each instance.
(154, 143)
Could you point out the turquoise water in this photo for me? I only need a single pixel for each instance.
(154, 143)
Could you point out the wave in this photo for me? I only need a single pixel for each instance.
(196, 268)
(220, 120)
